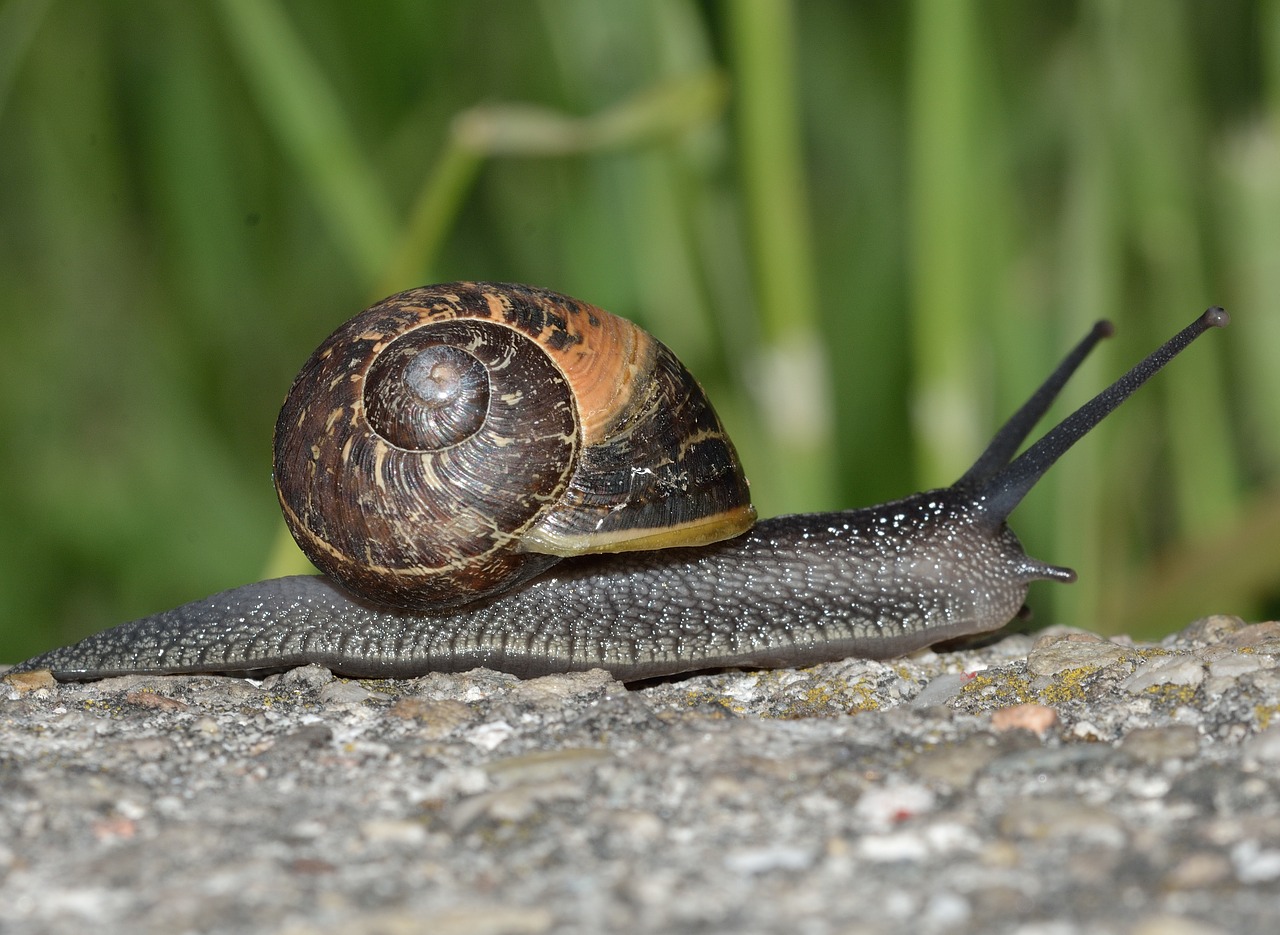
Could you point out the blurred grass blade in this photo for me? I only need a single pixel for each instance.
(485, 131)
(654, 114)
(791, 381)
(1088, 252)
(309, 124)
(433, 213)
(944, 193)
(19, 22)
(1148, 60)
(1188, 581)
(1252, 205)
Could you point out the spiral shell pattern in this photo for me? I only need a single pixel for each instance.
(455, 440)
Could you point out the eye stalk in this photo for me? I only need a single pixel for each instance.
(1002, 488)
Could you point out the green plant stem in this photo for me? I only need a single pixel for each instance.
(310, 125)
(943, 189)
(791, 381)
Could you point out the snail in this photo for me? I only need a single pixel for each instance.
(608, 523)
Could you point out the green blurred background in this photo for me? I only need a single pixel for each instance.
(869, 228)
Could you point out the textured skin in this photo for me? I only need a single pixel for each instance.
(794, 590)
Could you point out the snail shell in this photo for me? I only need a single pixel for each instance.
(455, 440)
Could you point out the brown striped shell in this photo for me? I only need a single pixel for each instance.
(454, 440)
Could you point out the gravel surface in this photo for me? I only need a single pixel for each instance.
(1046, 785)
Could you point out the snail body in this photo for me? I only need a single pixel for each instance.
(634, 552)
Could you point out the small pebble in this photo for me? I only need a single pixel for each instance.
(304, 678)
(940, 690)
(1211, 629)
(152, 699)
(1037, 718)
(1259, 636)
(1255, 863)
(891, 848)
(393, 831)
(1052, 655)
(1168, 670)
(1159, 744)
(1234, 665)
(438, 718)
(489, 736)
(341, 691)
(757, 860)
(23, 682)
(1264, 748)
(887, 806)
(1199, 870)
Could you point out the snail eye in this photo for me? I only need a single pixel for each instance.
(422, 396)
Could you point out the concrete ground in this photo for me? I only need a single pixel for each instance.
(1048, 785)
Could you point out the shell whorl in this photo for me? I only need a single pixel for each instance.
(453, 441)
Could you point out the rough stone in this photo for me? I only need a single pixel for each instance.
(1064, 784)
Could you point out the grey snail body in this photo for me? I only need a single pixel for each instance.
(646, 568)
